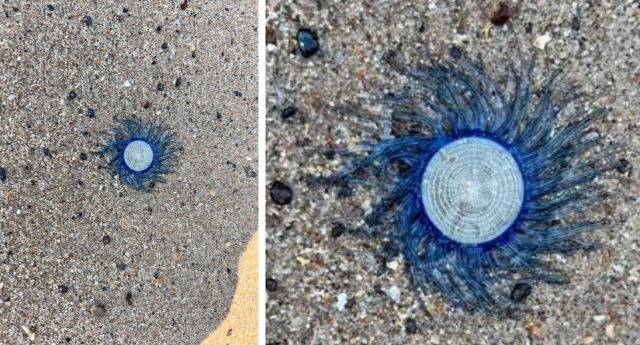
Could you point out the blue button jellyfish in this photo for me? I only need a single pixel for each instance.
(479, 182)
(142, 153)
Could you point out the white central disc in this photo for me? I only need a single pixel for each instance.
(472, 190)
(138, 155)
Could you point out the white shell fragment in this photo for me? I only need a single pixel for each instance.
(472, 190)
(541, 41)
(138, 155)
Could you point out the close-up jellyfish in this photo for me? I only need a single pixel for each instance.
(480, 181)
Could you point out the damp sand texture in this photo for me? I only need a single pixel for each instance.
(82, 257)
(330, 283)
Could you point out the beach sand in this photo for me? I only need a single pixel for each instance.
(169, 272)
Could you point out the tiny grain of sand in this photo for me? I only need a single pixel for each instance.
(337, 290)
(168, 273)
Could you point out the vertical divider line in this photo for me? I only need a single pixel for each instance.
(262, 187)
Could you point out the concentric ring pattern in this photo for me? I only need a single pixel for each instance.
(472, 190)
(138, 155)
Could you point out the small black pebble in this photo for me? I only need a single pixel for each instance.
(280, 193)
(125, 10)
(410, 325)
(575, 23)
(87, 20)
(218, 116)
(289, 112)
(72, 95)
(337, 230)
(329, 154)
(528, 28)
(68, 340)
(64, 289)
(391, 250)
(520, 292)
(91, 113)
(237, 93)
(193, 55)
(455, 53)
(152, 184)
(164, 45)
(128, 298)
(272, 285)
(121, 267)
(307, 42)
(624, 167)
(46, 151)
(51, 8)
(178, 82)
(228, 270)
(3, 174)
(83, 156)
(160, 87)
(345, 192)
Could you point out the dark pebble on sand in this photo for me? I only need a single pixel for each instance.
(624, 167)
(520, 292)
(337, 230)
(410, 325)
(272, 285)
(87, 20)
(308, 42)
(280, 193)
(289, 112)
